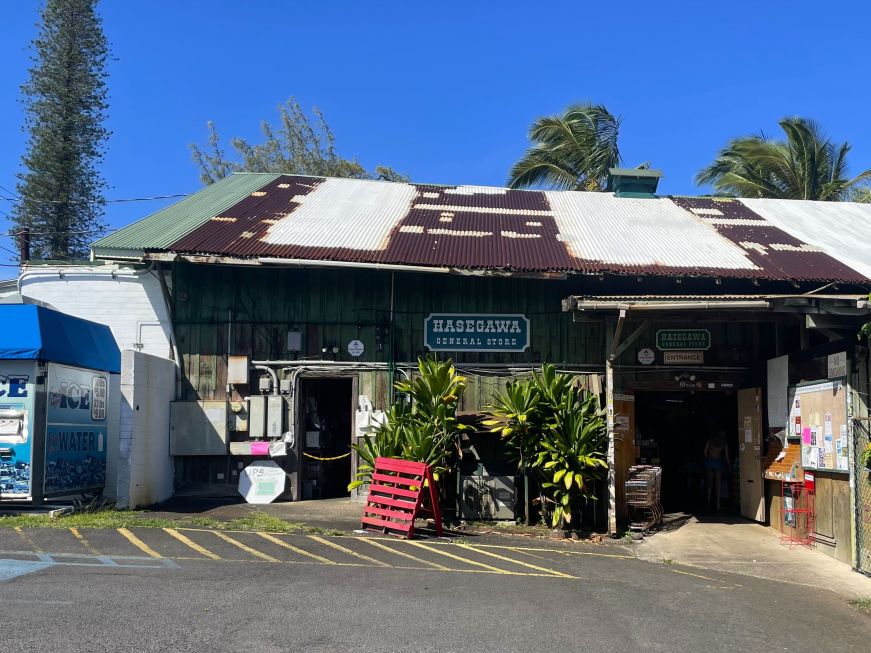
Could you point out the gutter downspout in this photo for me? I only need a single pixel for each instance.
(391, 361)
(172, 342)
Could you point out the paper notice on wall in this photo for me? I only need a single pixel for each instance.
(837, 365)
(806, 435)
(778, 399)
(812, 458)
(828, 425)
(748, 435)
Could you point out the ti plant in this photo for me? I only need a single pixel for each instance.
(423, 428)
(572, 455)
(558, 432)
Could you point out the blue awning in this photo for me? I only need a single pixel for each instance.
(29, 332)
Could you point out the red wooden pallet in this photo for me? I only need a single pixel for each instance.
(396, 497)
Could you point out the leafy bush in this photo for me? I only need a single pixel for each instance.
(557, 431)
(422, 426)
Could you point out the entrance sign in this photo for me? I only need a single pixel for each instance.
(687, 339)
(683, 357)
(646, 356)
(262, 482)
(479, 332)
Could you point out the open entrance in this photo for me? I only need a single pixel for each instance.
(673, 430)
(325, 420)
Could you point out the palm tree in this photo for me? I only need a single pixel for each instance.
(806, 166)
(572, 151)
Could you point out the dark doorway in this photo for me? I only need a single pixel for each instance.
(325, 432)
(672, 429)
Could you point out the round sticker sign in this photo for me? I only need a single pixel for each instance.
(356, 348)
(646, 356)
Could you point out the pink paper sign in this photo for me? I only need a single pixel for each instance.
(262, 448)
(806, 435)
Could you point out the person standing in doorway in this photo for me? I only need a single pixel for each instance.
(716, 465)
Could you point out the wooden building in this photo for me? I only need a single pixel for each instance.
(295, 303)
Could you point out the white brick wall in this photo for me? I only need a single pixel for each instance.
(139, 468)
(131, 304)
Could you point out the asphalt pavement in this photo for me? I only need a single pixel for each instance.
(200, 590)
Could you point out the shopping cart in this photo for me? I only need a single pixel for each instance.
(642, 497)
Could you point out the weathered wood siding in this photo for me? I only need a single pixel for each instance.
(250, 310)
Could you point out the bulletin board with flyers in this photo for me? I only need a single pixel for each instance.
(818, 420)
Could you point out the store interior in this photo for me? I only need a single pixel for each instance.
(673, 430)
(326, 433)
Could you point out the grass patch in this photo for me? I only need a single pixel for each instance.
(863, 605)
(110, 518)
(667, 561)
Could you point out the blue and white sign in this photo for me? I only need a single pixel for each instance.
(77, 432)
(476, 332)
(17, 393)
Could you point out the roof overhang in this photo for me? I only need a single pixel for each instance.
(840, 305)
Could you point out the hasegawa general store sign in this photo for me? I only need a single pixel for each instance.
(479, 332)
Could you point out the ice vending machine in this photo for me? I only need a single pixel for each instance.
(55, 402)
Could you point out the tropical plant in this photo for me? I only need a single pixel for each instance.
(806, 166)
(422, 426)
(570, 151)
(298, 145)
(556, 431)
(572, 455)
(866, 456)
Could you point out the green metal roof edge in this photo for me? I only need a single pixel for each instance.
(159, 230)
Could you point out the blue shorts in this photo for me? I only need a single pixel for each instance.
(715, 465)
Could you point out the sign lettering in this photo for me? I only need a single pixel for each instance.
(685, 339)
(476, 332)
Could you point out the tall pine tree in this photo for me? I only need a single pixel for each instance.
(65, 104)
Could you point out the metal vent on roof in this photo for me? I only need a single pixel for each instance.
(633, 182)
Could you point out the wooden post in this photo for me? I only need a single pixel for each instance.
(612, 341)
(24, 245)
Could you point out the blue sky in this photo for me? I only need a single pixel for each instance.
(445, 91)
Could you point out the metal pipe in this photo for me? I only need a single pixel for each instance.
(310, 263)
(270, 371)
(669, 306)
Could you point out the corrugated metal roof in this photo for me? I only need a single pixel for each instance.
(473, 227)
(842, 229)
(159, 230)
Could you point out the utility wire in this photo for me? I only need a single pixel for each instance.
(19, 200)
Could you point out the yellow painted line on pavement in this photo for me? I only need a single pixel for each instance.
(29, 542)
(528, 565)
(560, 551)
(139, 544)
(343, 549)
(686, 573)
(379, 545)
(468, 561)
(84, 541)
(296, 549)
(245, 547)
(193, 545)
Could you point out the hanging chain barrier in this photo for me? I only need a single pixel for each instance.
(308, 455)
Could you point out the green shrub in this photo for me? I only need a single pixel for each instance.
(422, 426)
(557, 431)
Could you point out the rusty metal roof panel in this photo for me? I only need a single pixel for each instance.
(840, 229)
(161, 229)
(474, 227)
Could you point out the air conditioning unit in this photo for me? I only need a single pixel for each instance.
(487, 497)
